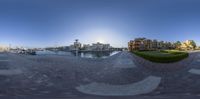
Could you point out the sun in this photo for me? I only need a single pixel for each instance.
(101, 35)
(100, 40)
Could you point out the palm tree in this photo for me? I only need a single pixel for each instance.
(177, 44)
(190, 44)
(193, 44)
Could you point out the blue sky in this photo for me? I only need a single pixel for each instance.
(42, 23)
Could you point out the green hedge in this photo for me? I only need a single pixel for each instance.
(173, 56)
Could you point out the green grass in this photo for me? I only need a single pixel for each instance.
(164, 56)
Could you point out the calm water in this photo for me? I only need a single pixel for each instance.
(81, 54)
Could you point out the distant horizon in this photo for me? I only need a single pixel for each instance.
(43, 23)
(92, 43)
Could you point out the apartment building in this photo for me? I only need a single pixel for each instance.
(137, 44)
(100, 47)
(148, 44)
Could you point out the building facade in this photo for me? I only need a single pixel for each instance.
(4, 48)
(87, 47)
(148, 44)
(136, 44)
(75, 46)
(100, 47)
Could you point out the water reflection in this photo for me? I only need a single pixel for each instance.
(98, 54)
(94, 54)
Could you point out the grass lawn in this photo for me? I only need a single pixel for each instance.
(164, 56)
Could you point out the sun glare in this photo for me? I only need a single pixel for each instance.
(102, 35)
(100, 40)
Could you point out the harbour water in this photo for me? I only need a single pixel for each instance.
(92, 54)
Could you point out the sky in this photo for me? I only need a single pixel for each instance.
(44, 23)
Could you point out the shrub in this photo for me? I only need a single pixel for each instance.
(171, 56)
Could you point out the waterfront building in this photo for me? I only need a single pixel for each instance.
(155, 44)
(106, 47)
(148, 44)
(161, 45)
(87, 47)
(75, 46)
(169, 45)
(100, 47)
(4, 48)
(137, 44)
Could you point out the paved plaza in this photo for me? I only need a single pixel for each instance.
(120, 75)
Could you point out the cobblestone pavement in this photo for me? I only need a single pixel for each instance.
(59, 76)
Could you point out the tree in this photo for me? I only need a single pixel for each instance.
(177, 44)
(193, 44)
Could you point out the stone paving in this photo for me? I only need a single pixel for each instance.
(145, 86)
(10, 72)
(196, 70)
(73, 77)
(125, 61)
(5, 70)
